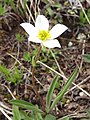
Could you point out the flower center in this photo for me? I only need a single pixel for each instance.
(43, 35)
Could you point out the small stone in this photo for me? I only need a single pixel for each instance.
(46, 87)
(70, 44)
(82, 94)
(81, 36)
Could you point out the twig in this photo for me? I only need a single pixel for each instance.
(74, 115)
(21, 2)
(4, 106)
(64, 77)
(1, 109)
(83, 50)
(7, 111)
(30, 14)
(10, 92)
(17, 55)
(38, 6)
(57, 63)
(24, 67)
(78, 84)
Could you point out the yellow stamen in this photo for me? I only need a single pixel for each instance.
(43, 35)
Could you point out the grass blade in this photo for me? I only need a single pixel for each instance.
(25, 105)
(50, 93)
(66, 86)
(16, 113)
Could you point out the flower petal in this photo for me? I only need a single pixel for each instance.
(34, 39)
(42, 23)
(57, 30)
(29, 28)
(52, 43)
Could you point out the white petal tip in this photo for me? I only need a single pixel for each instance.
(22, 24)
(57, 30)
(52, 44)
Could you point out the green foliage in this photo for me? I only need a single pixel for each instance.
(19, 37)
(50, 117)
(30, 57)
(57, 86)
(19, 115)
(22, 10)
(16, 113)
(13, 76)
(25, 105)
(24, 116)
(4, 70)
(27, 57)
(2, 10)
(50, 93)
(24, 2)
(36, 113)
(52, 9)
(8, 1)
(11, 3)
(17, 7)
(45, 55)
(86, 58)
(64, 89)
(82, 17)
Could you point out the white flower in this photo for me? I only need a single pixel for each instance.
(41, 33)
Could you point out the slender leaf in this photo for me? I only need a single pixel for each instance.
(27, 57)
(2, 10)
(50, 11)
(50, 92)
(16, 113)
(66, 86)
(36, 115)
(24, 116)
(20, 10)
(25, 2)
(13, 5)
(25, 105)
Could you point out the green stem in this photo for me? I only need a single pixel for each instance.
(33, 68)
(57, 63)
(33, 80)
